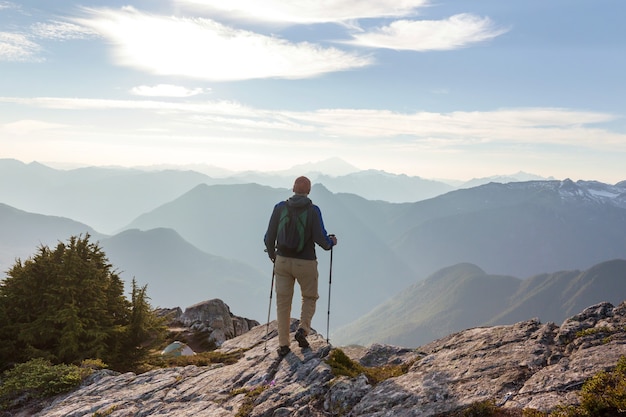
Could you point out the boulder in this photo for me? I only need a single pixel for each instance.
(206, 323)
(524, 365)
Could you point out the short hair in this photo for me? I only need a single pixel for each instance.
(302, 185)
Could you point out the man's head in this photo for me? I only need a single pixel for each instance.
(302, 185)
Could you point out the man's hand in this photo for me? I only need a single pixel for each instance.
(333, 239)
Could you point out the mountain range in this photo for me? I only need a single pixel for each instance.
(191, 237)
(521, 229)
(464, 296)
(108, 198)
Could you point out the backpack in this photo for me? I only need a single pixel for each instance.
(290, 238)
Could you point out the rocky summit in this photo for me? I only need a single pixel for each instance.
(524, 365)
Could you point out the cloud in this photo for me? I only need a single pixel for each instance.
(7, 5)
(205, 49)
(20, 47)
(61, 31)
(505, 126)
(307, 11)
(165, 90)
(15, 47)
(428, 35)
(524, 125)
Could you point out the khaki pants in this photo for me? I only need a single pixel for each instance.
(287, 271)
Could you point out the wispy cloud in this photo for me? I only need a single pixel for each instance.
(504, 126)
(427, 35)
(191, 110)
(165, 90)
(307, 11)
(61, 31)
(21, 45)
(8, 5)
(524, 125)
(205, 49)
(15, 47)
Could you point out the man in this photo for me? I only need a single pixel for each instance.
(291, 266)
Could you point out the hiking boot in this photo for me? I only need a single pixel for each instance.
(301, 339)
(283, 350)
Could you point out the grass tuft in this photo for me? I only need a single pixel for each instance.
(342, 365)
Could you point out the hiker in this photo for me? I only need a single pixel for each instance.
(296, 261)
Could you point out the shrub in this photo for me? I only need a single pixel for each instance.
(38, 378)
(341, 364)
(531, 412)
(93, 364)
(250, 397)
(156, 360)
(605, 393)
(602, 395)
(485, 408)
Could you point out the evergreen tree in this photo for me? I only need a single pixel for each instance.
(67, 304)
(143, 332)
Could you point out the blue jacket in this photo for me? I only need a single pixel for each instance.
(314, 232)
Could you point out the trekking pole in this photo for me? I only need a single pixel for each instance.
(330, 281)
(269, 310)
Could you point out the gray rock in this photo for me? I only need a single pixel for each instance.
(524, 365)
(214, 318)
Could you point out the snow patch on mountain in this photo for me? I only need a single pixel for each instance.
(594, 192)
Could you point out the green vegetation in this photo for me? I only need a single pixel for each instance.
(486, 408)
(603, 395)
(63, 307)
(341, 364)
(38, 378)
(66, 305)
(106, 412)
(607, 332)
(595, 330)
(248, 402)
(156, 360)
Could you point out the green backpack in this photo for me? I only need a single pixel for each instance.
(290, 238)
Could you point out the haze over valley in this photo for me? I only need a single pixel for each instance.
(410, 248)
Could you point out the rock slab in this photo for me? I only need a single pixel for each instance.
(524, 365)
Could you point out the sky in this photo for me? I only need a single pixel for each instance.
(436, 89)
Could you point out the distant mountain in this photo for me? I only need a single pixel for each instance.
(231, 220)
(380, 185)
(503, 179)
(553, 297)
(177, 273)
(21, 233)
(331, 166)
(519, 229)
(180, 275)
(108, 198)
(104, 198)
(370, 184)
(464, 296)
(208, 170)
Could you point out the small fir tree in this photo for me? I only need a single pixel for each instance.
(67, 305)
